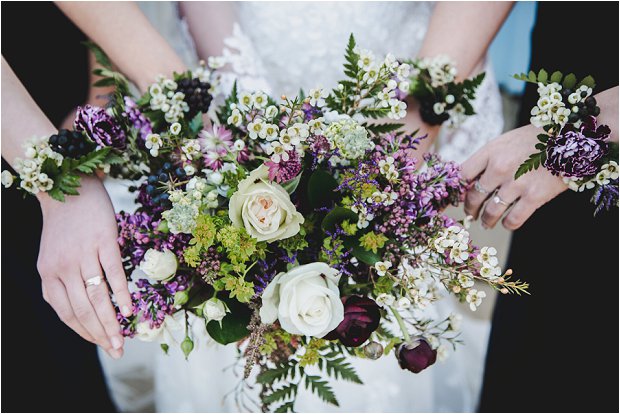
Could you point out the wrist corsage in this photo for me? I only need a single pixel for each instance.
(441, 98)
(123, 138)
(574, 146)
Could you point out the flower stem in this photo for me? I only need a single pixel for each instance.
(401, 323)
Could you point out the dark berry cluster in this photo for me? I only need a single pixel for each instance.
(70, 144)
(587, 107)
(197, 95)
(428, 113)
(157, 183)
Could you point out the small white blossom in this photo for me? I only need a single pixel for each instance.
(7, 179)
(260, 100)
(403, 303)
(474, 298)
(385, 299)
(382, 267)
(256, 128)
(246, 100)
(611, 169)
(175, 128)
(271, 112)
(317, 97)
(235, 118)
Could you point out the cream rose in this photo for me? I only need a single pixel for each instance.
(263, 208)
(158, 265)
(305, 300)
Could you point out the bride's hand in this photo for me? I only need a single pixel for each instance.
(78, 242)
(494, 166)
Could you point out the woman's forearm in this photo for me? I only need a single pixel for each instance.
(127, 36)
(464, 31)
(21, 117)
(608, 102)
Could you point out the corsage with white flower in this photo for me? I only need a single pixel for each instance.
(573, 146)
(441, 97)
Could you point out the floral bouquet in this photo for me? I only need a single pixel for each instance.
(304, 230)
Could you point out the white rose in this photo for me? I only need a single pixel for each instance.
(264, 209)
(159, 265)
(305, 300)
(214, 310)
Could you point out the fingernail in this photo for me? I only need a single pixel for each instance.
(117, 343)
(115, 353)
(126, 311)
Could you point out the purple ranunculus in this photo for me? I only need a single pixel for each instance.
(99, 126)
(415, 355)
(361, 318)
(575, 152)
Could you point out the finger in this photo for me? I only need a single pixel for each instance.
(55, 294)
(474, 165)
(100, 299)
(110, 259)
(476, 196)
(495, 208)
(519, 213)
(85, 313)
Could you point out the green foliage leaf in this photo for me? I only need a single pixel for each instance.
(100, 55)
(104, 82)
(90, 162)
(351, 68)
(196, 124)
(281, 371)
(531, 76)
(280, 394)
(532, 163)
(569, 81)
(337, 216)
(543, 76)
(291, 186)
(321, 186)
(588, 81)
(378, 129)
(287, 407)
(234, 325)
(360, 252)
(321, 388)
(339, 368)
(556, 76)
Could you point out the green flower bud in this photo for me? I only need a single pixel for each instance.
(181, 298)
(187, 346)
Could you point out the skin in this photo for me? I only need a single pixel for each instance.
(495, 164)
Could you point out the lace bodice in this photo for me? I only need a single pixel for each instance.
(287, 45)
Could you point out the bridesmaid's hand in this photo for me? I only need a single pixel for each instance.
(78, 242)
(494, 166)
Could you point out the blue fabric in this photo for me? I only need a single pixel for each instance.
(510, 51)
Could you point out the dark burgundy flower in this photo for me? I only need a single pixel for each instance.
(415, 355)
(361, 318)
(99, 126)
(575, 152)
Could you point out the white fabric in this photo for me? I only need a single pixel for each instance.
(285, 46)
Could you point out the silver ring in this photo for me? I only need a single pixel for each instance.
(93, 281)
(498, 200)
(479, 188)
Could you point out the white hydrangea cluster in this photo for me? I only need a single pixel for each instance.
(165, 98)
(349, 137)
(186, 205)
(608, 172)
(395, 75)
(549, 109)
(441, 69)
(33, 180)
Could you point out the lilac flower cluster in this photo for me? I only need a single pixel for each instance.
(153, 303)
(285, 170)
(136, 118)
(605, 197)
(575, 152)
(100, 126)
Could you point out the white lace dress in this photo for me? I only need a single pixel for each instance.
(284, 46)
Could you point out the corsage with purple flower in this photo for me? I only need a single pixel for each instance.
(574, 146)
